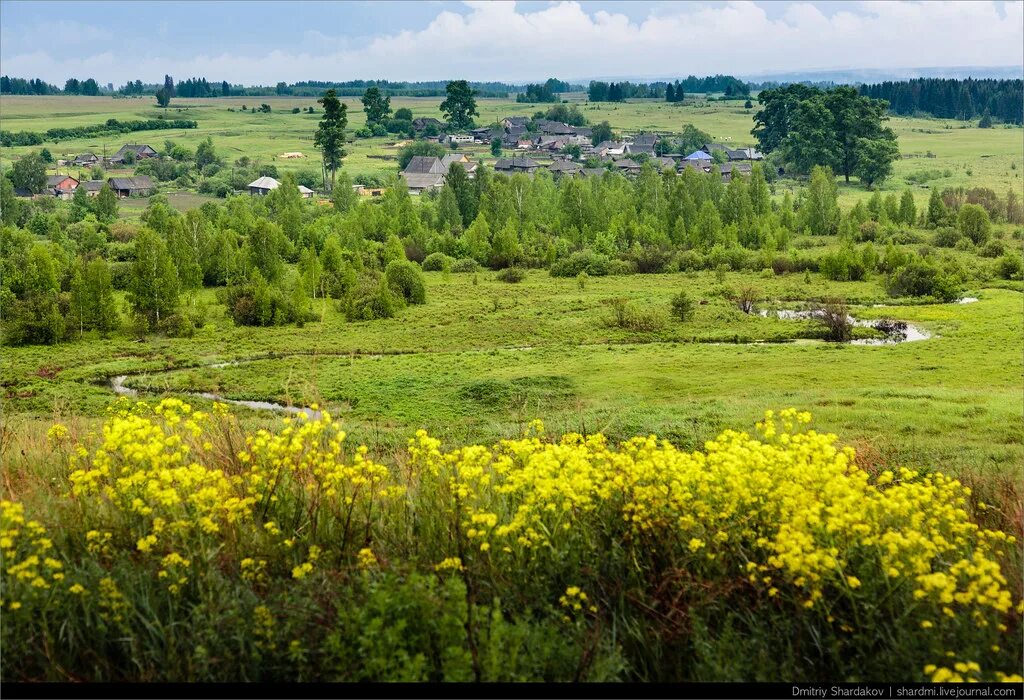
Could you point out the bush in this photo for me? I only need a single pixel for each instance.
(1010, 267)
(993, 249)
(512, 275)
(436, 262)
(465, 265)
(626, 314)
(594, 264)
(922, 279)
(176, 326)
(683, 307)
(946, 237)
(405, 279)
(834, 315)
(372, 299)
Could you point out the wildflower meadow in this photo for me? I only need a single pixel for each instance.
(178, 546)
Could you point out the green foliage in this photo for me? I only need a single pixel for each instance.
(330, 134)
(922, 278)
(512, 275)
(419, 148)
(376, 104)
(405, 279)
(29, 173)
(459, 105)
(683, 306)
(973, 221)
(153, 285)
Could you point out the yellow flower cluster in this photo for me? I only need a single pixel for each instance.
(786, 511)
(788, 507)
(29, 569)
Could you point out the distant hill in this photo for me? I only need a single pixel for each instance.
(876, 75)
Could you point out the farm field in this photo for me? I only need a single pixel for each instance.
(963, 154)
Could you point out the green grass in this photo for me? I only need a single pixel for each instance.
(480, 360)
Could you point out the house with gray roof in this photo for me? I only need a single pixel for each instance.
(138, 186)
(139, 150)
(518, 164)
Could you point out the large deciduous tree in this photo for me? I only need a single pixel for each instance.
(837, 128)
(153, 280)
(29, 173)
(459, 105)
(330, 135)
(377, 106)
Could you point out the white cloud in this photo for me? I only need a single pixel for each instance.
(500, 41)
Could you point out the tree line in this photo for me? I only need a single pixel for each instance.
(270, 256)
(544, 92)
(948, 98)
(672, 91)
(111, 126)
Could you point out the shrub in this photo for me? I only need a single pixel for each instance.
(993, 249)
(834, 315)
(436, 262)
(746, 299)
(974, 223)
(946, 237)
(406, 279)
(372, 299)
(594, 264)
(465, 265)
(512, 275)
(683, 307)
(626, 314)
(922, 279)
(1010, 267)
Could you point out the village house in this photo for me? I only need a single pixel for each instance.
(662, 163)
(61, 186)
(264, 185)
(635, 149)
(462, 159)
(518, 164)
(744, 154)
(139, 186)
(140, 150)
(92, 187)
(423, 173)
(561, 168)
(628, 166)
(86, 160)
(610, 148)
(731, 168)
(700, 157)
(509, 122)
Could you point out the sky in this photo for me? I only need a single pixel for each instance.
(266, 41)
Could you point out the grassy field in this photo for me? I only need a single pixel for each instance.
(482, 358)
(704, 557)
(948, 153)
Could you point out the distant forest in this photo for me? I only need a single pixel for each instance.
(945, 98)
(953, 99)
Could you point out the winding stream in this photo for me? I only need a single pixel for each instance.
(895, 332)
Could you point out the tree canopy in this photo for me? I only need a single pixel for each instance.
(459, 106)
